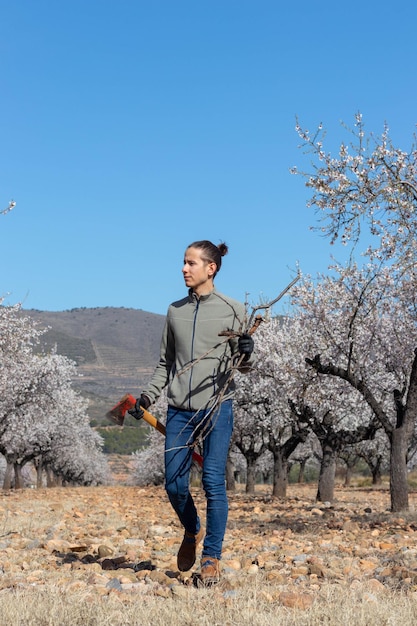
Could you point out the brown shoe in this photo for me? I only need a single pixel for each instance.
(210, 570)
(187, 552)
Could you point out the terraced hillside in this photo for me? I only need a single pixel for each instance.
(115, 349)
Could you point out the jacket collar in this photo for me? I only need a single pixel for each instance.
(194, 298)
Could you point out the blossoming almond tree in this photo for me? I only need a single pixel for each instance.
(148, 464)
(365, 338)
(367, 197)
(376, 455)
(75, 455)
(249, 430)
(263, 419)
(27, 428)
(37, 401)
(17, 367)
(326, 407)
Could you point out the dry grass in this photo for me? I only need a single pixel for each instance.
(332, 606)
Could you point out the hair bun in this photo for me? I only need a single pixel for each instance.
(223, 249)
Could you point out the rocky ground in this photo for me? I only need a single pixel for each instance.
(123, 540)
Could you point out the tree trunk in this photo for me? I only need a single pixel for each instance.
(376, 474)
(325, 492)
(374, 464)
(280, 476)
(18, 478)
(8, 476)
(39, 472)
(376, 477)
(251, 475)
(230, 476)
(400, 438)
(348, 475)
(50, 478)
(301, 472)
(398, 470)
(195, 477)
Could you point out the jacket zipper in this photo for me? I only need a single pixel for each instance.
(192, 352)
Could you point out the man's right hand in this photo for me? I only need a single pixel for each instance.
(141, 403)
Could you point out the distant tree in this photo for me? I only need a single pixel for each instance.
(376, 454)
(333, 439)
(148, 463)
(76, 453)
(307, 457)
(235, 469)
(41, 416)
(27, 429)
(249, 431)
(122, 441)
(264, 420)
(350, 458)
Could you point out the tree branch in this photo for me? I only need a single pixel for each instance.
(356, 383)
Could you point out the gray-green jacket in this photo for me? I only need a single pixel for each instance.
(194, 361)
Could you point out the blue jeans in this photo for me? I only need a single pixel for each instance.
(182, 428)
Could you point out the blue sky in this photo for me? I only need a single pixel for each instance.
(129, 129)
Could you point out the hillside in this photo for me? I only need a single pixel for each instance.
(116, 349)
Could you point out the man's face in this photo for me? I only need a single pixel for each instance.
(198, 274)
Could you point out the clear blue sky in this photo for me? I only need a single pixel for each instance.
(131, 128)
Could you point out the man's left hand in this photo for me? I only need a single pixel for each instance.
(246, 345)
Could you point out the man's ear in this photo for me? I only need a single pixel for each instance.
(212, 267)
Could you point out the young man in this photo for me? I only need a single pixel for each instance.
(196, 362)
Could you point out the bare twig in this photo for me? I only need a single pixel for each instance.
(255, 321)
(11, 206)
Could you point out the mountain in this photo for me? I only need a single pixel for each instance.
(115, 349)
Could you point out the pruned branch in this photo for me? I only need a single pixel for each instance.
(255, 320)
(271, 304)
